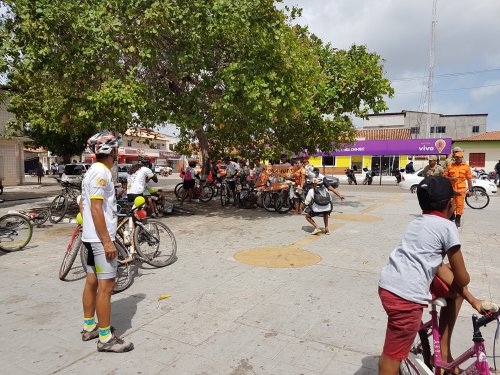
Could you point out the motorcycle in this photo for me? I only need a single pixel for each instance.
(368, 176)
(351, 178)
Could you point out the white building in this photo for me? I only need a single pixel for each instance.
(11, 151)
(441, 126)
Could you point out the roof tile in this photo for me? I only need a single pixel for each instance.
(383, 134)
(488, 136)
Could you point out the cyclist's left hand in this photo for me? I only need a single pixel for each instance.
(469, 193)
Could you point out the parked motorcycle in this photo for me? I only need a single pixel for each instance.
(369, 174)
(351, 177)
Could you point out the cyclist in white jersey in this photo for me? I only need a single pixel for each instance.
(98, 207)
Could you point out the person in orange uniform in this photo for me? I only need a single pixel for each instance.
(460, 176)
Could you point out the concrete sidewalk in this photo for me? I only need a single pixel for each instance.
(227, 317)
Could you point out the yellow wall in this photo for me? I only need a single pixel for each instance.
(367, 161)
(316, 161)
(343, 161)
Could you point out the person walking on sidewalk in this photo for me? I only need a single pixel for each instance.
(39, 173)
(98, 207)
(459, 173)
(318, 202)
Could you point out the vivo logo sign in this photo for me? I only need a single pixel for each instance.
(426, 148)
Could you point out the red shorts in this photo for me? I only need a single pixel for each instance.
(439, 288)
(403, 324)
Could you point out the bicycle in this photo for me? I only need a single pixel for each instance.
(37, 215)
(283, 202)
(138, 238)
(59, 205)
(479, 198)
(421, 361)
(15, 232)
(202, 191)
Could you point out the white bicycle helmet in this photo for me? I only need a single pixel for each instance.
(102, 143)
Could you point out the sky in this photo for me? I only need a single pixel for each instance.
(467, 48)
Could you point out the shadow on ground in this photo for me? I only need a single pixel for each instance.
(123, 310)
(369, 365)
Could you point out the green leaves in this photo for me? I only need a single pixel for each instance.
(236, 72)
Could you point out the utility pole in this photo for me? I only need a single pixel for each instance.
(431, 70)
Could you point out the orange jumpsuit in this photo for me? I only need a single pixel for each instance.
(463, 172)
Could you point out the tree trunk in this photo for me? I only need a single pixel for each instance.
(66, 157)
(204, 148)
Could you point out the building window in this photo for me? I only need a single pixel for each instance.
(432, 129)
(477, 160)
(475, 129)
(129, 143)
(441, 129)
(328, 160)
(415, 130)
(171, 147)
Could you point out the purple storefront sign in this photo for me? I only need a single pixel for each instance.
(430, 146)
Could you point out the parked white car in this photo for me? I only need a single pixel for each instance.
(410, 182)
(74, 172)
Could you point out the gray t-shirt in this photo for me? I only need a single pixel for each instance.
(416, 259)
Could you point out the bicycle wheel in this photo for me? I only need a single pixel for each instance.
(71, 253)
(224, 195)
(207, 193)
(41, 217)
(15, 232)
(155, 243)
(283, 204)
(268, 200)
(124, 273)
(419, 358)
(58, 209)
(179, 190)
(479, 199)
(246, 198)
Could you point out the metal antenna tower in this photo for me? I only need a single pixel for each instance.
(431, 69)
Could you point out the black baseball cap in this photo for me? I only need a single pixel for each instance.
(435, 189)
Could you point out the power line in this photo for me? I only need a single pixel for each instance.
(458, 88)
(448, 75)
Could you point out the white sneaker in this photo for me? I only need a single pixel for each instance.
(316, 231)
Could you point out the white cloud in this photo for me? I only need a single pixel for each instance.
(491, 88)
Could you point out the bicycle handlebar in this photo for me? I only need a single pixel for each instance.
(485, 319)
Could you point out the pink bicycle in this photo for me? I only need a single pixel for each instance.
(419, 360)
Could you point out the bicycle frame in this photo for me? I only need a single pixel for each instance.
(480, 365)
(75, 233)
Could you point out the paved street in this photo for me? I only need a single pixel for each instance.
(228, 317)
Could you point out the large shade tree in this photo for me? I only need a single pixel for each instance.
(232, 75)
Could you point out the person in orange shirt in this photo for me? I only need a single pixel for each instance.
(460, 175)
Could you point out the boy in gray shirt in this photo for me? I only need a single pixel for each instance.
(405, 282)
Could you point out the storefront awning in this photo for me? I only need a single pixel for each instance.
(428, 146)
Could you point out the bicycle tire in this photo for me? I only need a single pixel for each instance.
(479, 199)
(70, 256)
(178, 189)
(14, 223)
(207, 193)
(419, 358)
(155, 254)
(58, 208)
(224, 196)
(268, 201)
(246, 198)
(124, 273)
(41, 217)
(283, 204)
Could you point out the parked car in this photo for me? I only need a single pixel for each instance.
(410, 182)
(163, 170)
(122, 171)
(74, 172)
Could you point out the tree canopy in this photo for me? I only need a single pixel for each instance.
(232, 75)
